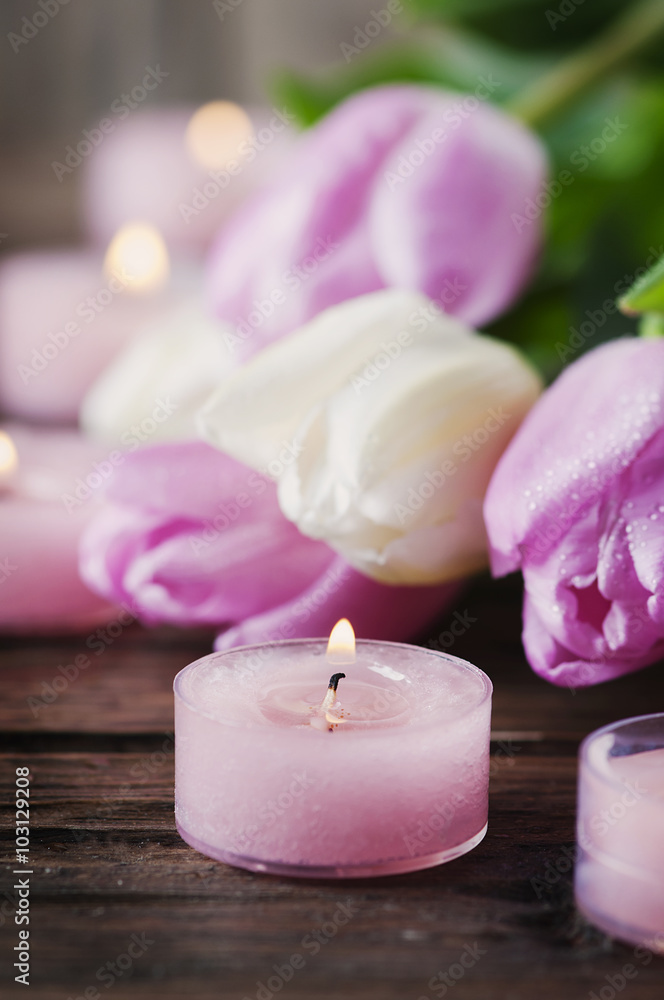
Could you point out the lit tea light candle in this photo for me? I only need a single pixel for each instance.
(183, 169)
(8, 462)
(286, 764)
(216, 134)
(66, 314)
(619, 878)
(39, 536)
(138, 251)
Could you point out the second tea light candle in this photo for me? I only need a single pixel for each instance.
(619, 876)
(278, 772)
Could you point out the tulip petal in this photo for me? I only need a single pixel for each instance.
(164, 375)
(334, 225)
(611, 400)
(459, 238)
(258, 409)
(190, 536)
(369, 453)
(376, 611)
(576, 502)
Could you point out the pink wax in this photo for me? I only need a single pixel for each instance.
(144, 170)
(619, 878)
(393, 779)
(40, 586)
(61, 322)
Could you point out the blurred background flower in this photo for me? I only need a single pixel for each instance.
(590, 79)
(408, 187)
(163, 148)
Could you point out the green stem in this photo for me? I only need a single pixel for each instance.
(555, 89)
(651, 326)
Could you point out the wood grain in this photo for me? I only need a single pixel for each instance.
(108, 863)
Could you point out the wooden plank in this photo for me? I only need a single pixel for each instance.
(89, 685)
(107, 862)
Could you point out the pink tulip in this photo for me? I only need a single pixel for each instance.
(401, 186)
(190, 536)
(577, 502)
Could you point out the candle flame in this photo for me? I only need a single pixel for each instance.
(216, 134)
(139, 254)
(341, 644)
(8, 453)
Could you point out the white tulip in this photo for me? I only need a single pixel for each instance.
(170, 369)
(382, 420)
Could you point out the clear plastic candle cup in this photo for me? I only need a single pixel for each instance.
(294, 760)
(619, 879)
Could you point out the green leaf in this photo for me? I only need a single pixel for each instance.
(647, 293)
(651, 326)
(538, 324)
(441, 56)
(526, 25)
(467, 8)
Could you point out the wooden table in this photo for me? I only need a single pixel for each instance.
(114, 884)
